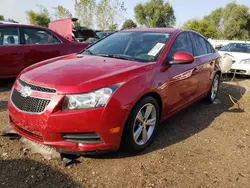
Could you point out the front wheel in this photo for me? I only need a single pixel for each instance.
(141, 125)
(213, 93)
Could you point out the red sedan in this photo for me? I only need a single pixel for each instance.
(24, 45)
(115, 92)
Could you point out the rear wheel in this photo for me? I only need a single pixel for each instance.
(213, 93)
(141, 125)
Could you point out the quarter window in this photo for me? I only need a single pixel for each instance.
(9, 36)
(39, 36)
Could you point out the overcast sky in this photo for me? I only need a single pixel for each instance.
(184, 9)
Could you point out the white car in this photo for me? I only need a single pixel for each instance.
(240, 55)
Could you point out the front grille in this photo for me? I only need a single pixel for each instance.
(28, 104)
(36, 88)
(85, 138)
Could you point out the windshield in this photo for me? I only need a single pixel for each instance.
(138, 46)
(236, 47)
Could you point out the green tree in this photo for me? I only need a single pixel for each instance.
(85, 10)
(129, 24)
(232, 21)
(201, 26)
(113, 27)
(155, 13)
(236, 22)
(2, 18)
(102, 14)
(61, 12)
(109, 13)
(215, 17)
(41, 18)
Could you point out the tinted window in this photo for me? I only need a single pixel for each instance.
(39, 36)
(236, 47)
(210, 49)
(200, 45)
(181, 43)
(9, 36)
(139, 46)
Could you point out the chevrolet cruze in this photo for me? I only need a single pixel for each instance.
(116, 92)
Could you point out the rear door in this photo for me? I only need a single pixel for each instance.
(183, 78)
(204, 56)
(40, 45)
(11, 51)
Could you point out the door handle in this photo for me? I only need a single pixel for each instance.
(195, 71)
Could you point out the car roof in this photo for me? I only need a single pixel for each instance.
(18, 24)
(158, 30)
(6, 22)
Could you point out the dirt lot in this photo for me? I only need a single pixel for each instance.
(202, 146)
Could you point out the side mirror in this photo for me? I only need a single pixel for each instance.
(182, 58)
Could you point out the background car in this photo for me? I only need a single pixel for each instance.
(24, 45)
(240, 55)
(116, 92)
(104, 33)
(66, 28)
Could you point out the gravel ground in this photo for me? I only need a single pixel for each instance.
(205, 145)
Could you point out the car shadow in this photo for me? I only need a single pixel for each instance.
(3, 106)
(6, 84)
(190, 121)
(29, 173)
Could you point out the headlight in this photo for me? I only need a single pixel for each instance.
(245, 61)
(94, 99)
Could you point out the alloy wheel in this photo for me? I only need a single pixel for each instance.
(215, 87)
(144, 124)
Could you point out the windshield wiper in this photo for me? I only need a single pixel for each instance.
(117, 56)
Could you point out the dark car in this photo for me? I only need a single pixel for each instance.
(24, 45)
(104, 33)
(116, 92)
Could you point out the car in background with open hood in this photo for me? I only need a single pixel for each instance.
(65, 27)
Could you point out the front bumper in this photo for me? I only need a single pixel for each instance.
(49, 127)
(240, 69)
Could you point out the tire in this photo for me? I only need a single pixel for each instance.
(135, 137)
(213, 93)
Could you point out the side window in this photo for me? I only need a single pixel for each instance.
(200, 45)
(210, 49)
(39, 36)
(181, 43)
(9, 36)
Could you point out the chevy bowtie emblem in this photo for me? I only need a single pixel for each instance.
(25, 91)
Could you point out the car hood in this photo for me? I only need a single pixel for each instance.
(236, 56)
(82, 73)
